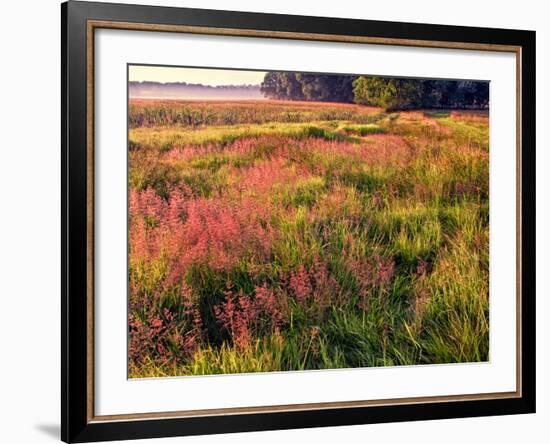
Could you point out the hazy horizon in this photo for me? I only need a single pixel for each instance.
(171, 82)
(205, 76)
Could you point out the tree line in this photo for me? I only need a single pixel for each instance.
(389, 93)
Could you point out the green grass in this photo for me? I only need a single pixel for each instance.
(468, 132)
(363, 130)
(166, 138)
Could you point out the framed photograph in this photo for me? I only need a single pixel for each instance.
(275, 221)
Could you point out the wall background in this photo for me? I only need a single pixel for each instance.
(30, 221)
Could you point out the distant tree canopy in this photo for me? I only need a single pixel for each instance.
(396, 94)
(389, 93)
(310, 87)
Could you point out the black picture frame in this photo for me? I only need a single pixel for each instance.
(76, 423)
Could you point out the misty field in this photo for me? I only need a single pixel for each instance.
(273, 236)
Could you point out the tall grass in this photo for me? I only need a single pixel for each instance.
(149, 113)
(340, 237)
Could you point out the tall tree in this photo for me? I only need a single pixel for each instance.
(282, 85)
(390, 94)
(305, 86)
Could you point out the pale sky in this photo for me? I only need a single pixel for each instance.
(211, 77)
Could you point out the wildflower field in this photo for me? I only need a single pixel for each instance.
(276, 235)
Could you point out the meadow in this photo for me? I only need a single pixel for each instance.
(279, 235)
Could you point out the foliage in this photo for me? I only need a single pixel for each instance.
(389, 93)
(400, 94)
(304, 86)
